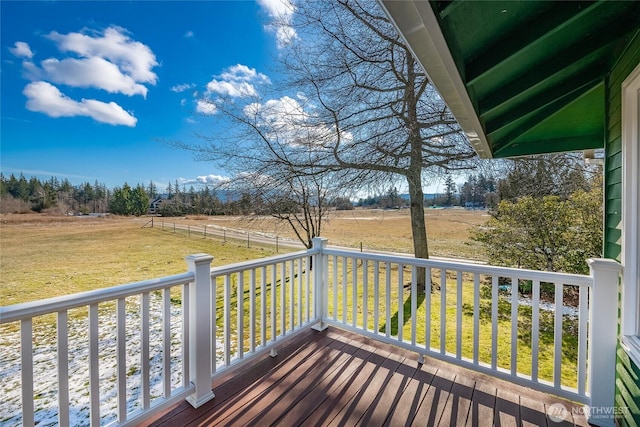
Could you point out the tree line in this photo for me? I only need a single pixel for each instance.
(21, 195)
(59, 196)
(478, 191)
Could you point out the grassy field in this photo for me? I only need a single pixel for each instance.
(434, 308)
(374, 229)
(45, 256)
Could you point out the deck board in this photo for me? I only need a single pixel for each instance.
(409, 402)
(432, 406)
(459, 402)
(483, 402)
(338, 378)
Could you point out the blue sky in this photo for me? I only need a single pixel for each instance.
(91, 89)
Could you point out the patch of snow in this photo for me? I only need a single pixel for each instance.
(45, 372)
(567, 310)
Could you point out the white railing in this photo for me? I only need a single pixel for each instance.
(560, 340)
(89, 361)
(152, 343)
(118, 355)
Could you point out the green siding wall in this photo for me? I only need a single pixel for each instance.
(627, 389)
(627, 373)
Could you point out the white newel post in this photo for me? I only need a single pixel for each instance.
(603, 338)
(319, 283)
(200, 329)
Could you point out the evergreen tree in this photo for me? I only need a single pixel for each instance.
(392, 199)
(152, 190)
(21, 190)
(4, 191)
(450, 191)
(139, 201)
(120, 203)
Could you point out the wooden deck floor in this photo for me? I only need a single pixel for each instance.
(336, 378)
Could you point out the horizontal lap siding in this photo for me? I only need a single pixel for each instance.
(627, 373)
(627, 389)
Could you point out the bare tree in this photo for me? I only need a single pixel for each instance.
(299, 200)
(363, 107)
(271, 147)
(387, 120)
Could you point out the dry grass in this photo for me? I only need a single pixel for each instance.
(376, 229)
(44, 256)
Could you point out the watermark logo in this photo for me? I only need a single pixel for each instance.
(558, 412)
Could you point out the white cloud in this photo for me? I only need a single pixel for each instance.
(281, 14)
(21, 50)
(242, 73)
(45, 98)
(189, 34)
(206, 107)
(30, 71)
(109, 60)
(93, 72)
(206, 180)
(276, 8)
(287, 119)
(278, 113)
(233, 89)
(285, 35)
(182, 87)
(252, 178)
(134, 58)
(237, 81)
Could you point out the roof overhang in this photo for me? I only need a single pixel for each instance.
(521, 77)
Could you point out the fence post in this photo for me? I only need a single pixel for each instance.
(200, 343)
(319, 283)
(603, 338)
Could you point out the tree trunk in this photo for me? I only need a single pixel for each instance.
(414, 172)
(418, 225)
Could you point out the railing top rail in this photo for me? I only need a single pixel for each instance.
(543, 276)
(16, 312)
(262, 262)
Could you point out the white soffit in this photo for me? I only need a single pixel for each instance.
(419, 27)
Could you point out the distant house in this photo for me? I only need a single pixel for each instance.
(156, 204)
